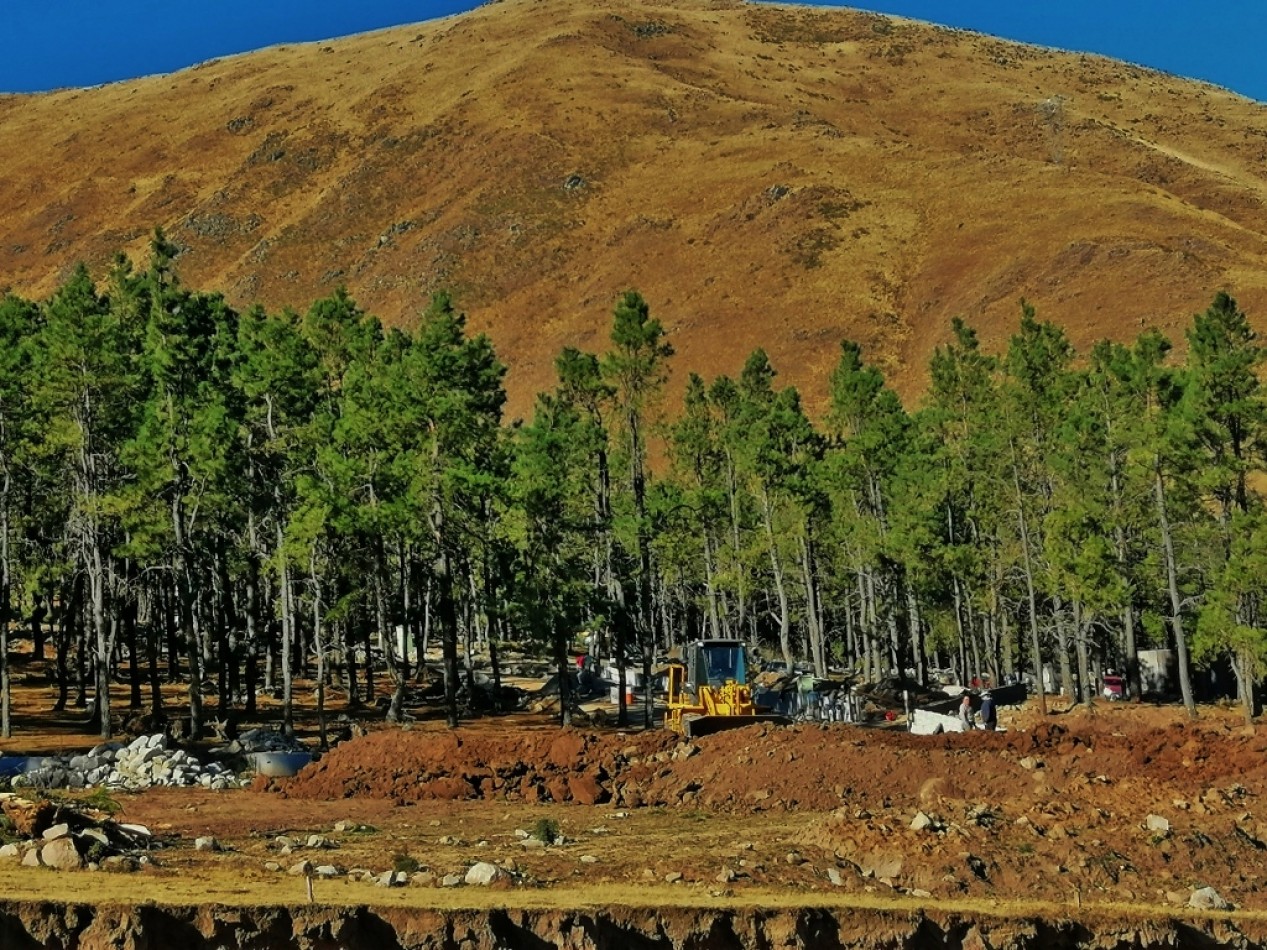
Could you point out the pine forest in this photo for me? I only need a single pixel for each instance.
(240, 501)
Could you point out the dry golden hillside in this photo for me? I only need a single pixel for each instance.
(773, 176)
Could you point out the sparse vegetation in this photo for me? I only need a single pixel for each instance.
(545, 830)
(405, 864)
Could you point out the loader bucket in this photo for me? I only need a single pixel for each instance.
(708, 725)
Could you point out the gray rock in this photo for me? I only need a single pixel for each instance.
(62, 854)
(31, 859)
(207, 844)
(672, 877)
(1157, 824)
(328, 870)
(588, 859)
(303, 868)
(834, 875)
(483, 873)
(53, 832)
(921, 822)
(1207, 898)
(10, 851)
(451, 880)
(119, 864)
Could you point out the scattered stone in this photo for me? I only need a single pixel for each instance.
(451, 880)
(10, 851)
(303, 868)
(920, 893)
(31, 859)
(320, 842)
(726, 876)
(921, 822)
(684, 751)
(588, 859)
(61, 853)
(207, 844)
(272, 866)
(1157, 824)
(120, 864)
(483, 874)
(672, 877)
(794, 857)
(53, 832)
(327, 870)
(834, 875)
(1207, 898)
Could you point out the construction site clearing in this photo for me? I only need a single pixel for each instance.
(1125, 807)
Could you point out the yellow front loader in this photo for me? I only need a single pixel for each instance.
(709, 692)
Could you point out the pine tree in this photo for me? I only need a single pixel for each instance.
(636, 369)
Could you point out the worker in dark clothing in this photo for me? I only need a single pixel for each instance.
(989, 712)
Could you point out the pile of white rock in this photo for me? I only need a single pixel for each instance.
(143, 763)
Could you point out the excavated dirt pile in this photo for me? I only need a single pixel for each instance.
(1109, 805)
(532, 765)
(813, 768)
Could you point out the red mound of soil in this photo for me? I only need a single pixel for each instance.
(530, 765)
(815, 768)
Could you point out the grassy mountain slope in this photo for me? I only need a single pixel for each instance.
(771, 176)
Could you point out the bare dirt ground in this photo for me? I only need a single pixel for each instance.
(1122, 807)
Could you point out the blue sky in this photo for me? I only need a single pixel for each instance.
(47, 44)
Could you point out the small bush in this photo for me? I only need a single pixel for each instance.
(405, 862)
(100, 799)
(546, 830)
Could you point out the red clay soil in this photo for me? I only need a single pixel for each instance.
(1129, 804)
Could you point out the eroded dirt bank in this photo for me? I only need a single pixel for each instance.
(53, 926)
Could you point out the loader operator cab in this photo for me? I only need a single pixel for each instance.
(713, 662)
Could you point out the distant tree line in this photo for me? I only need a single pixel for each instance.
(233, 500)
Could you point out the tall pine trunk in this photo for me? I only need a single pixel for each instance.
(1031, 598)
(1172, 587)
